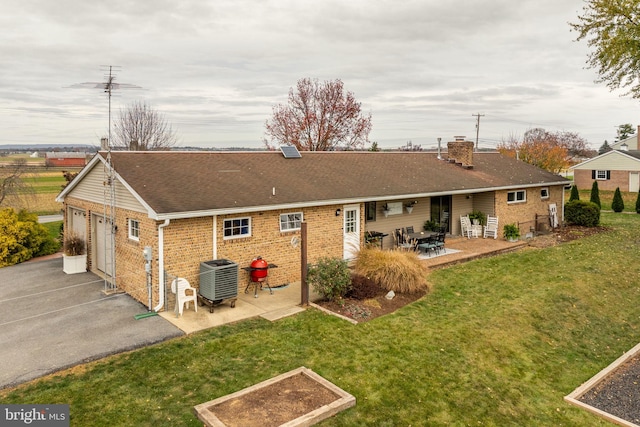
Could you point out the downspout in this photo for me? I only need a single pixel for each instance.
(563, 205)
(215, 237)
(161, 284)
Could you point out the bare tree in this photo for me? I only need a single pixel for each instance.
(13, 189)
(318, 117)
(141, 128)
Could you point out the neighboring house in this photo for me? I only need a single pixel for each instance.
(613, 169)
(64, 159)
(630, 143)
(190, 207)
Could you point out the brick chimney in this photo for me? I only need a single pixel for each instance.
(461, 151)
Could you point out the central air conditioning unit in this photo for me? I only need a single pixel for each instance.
(218, 279)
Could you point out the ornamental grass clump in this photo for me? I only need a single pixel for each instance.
(74, 245)
(398, 271)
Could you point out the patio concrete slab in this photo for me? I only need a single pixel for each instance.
(284, 301)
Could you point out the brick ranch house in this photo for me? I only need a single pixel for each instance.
(618, 168)
(191, 207)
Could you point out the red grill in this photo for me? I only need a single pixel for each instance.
(259, 270)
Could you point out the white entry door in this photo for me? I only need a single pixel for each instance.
(351, 231)
(103, 244)
(634, 182)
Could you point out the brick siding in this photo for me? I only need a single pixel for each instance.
(187, 242)
(582, 179)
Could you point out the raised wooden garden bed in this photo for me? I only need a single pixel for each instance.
(296, 398)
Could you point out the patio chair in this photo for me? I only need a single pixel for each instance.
(429, 244)
(410, 229)
(465, 226)
(491, 229)
(439, 240)
(182, 289)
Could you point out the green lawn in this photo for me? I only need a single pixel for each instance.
(498, 342)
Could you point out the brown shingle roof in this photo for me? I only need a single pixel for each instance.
(178, 182)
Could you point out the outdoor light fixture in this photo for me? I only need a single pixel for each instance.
(338, 212)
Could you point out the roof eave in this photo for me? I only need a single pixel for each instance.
(301, 205)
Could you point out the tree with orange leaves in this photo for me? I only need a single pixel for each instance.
(318, 117)
(550, 151)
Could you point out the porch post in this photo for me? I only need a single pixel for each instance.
(304, 286)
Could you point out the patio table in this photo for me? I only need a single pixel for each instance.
(422, 236)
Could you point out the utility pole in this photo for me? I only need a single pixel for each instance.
(477, 116)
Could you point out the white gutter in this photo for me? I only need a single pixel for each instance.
(161, 284)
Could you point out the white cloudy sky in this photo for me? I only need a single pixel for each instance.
(215, 68)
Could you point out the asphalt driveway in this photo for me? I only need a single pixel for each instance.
(50, 320)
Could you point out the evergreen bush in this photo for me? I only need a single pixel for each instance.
(579, 212)
(617, 204)
(330, 277)
(595, 194)
(575, 195)
(638, 203)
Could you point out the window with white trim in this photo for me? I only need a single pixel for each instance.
(518, 196)
(290, 221)
(544, 193)
(134, 229)
(237, 227)
(601, 175)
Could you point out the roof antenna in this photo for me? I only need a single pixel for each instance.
(108, 86)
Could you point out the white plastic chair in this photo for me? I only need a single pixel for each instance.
(181, 288)
(491, 229)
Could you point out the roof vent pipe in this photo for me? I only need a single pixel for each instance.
(439, 155)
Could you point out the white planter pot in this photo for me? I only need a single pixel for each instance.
(74, 264)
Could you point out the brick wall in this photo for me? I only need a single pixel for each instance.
(524, 214)
(130, 264)
(582, 178)
(324, 239)
(187, 242)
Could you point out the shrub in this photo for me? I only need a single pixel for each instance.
(22, 237)
(330, 277)
(511, 232)
(638, 203)
(575, 195)
(363, 288)
(479, 215)
(398, 271)
(595, 194)
(617, 204)
(579, 212)
(431, 225)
